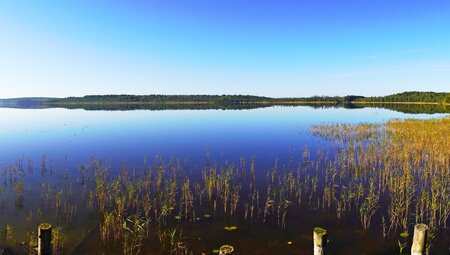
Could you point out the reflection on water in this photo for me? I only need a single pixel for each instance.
(276, 138)
(273, 132)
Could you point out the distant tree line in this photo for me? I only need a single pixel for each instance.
(334, 99)
(225, 102)
(212, 99)
(413, 96)
(224, 99)
(229, 100)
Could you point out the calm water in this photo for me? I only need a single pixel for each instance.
(199, 136)
(264, 134)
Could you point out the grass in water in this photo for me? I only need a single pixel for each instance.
(396, 173)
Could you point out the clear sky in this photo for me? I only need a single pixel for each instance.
(272, 48)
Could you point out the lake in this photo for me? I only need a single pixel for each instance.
(265, 134)
(65, 140)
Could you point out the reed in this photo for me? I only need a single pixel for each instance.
(6, 235)
(391, 173)
(171, 242)
(134, 233)
(58, 240)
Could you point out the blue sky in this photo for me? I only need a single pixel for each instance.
(272, 48)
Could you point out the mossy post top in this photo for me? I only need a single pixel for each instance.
(320, 231)
(45, 226)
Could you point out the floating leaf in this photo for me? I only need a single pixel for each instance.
(178, 217)
(215, 251)
(230, 228)
(404, 234)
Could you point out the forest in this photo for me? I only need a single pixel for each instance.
(412, 96)
(226, 100)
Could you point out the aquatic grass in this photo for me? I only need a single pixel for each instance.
(171, 242)
(58, 240)
(391, 173)
(6, 235)
(134, 233)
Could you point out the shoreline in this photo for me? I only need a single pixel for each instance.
(237, 103)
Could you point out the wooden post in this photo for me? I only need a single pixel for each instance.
(320, 241)
(44, 239)
(226, 250)
(419, 239)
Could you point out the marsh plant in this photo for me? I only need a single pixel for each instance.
(6, 235)
(58, 240)
(394, 173)
(171, 242)
(135, 230)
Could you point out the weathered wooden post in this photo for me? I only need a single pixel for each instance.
(226, 250)
(419, 239)
(44, 239)
(320, 241)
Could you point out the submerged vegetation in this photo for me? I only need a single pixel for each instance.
(387, 177)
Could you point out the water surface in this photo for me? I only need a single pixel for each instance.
(265, 133)
(68, 138)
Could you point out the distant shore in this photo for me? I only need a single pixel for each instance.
(423, 103)
(274, 102)
(411, 97)
(184, 102)
(427, 102)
